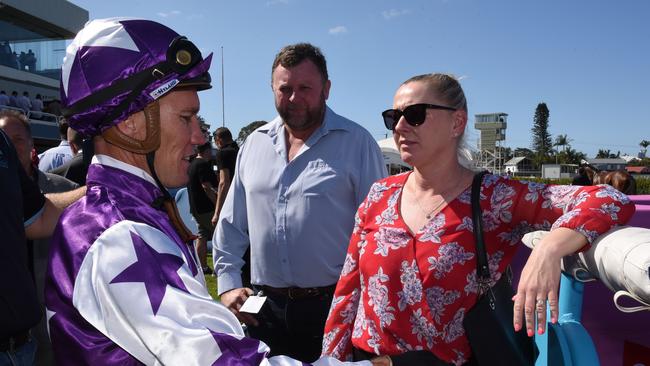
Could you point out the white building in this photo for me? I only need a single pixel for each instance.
(392, 159)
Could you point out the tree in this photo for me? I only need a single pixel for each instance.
(562, 140)
(522, 151)
(205, 127)
(644, 144)
(606, 154)
(542, 142)
(602, 154)
(246, 130)
(571, 156)
(644, 148)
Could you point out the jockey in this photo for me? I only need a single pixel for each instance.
(124, 286)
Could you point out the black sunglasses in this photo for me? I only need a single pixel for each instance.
(414, 114)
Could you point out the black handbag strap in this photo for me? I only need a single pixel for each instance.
(482, 267)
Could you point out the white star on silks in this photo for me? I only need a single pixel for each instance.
(98, 33)
(48, 315)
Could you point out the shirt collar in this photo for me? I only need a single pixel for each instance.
(117, 164)
(64, 143)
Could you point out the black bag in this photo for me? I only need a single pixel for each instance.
(488, 325)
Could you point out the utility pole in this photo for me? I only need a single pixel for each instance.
(223, 104)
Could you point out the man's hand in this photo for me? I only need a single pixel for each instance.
(234, 299)
(214, 219)
(382, 361)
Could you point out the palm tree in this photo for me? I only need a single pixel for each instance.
(602, 154)
(644, 146)
(562, 140)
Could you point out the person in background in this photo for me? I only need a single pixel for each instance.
(202, 193)
(23, 102)
(76, 168)
(13, 99)
(225, 159)
(17, 128)
(4, 98)
(409, 275)
(56, 156)
(297, 183)
(37, 103)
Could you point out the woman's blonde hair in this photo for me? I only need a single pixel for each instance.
(447, 88)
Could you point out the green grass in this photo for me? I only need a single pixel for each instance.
(211, 280)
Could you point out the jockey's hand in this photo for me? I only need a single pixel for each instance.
(234, 299)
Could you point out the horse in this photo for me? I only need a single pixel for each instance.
(619, 179)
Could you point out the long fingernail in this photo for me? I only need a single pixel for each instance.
(540, 330)
(517, 327)
(530, 332)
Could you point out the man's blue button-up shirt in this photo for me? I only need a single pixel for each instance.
(297, 216)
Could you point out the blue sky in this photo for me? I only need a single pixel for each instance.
(589, 61)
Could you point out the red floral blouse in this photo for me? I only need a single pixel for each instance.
(400, 291)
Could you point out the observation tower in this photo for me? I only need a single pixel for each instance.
(493, 130)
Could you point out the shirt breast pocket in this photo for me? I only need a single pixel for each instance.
(320, 178)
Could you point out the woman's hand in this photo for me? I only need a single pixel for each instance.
(382, 361)
(540, 279)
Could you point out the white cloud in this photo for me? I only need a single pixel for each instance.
(169, 14)
(392, 13)
(277, 2)
(340, 29)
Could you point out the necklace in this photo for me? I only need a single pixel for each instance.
(428, 215)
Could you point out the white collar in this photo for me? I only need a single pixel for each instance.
(118, 164)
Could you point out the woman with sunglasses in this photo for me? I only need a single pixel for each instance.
(409, 276)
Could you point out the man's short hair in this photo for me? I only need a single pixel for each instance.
(202, 148)
(75, 137)
(11, 114)
(223, 133)
(63, 128)
(292, 55)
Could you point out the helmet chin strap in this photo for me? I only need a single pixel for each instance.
(167, 203)
(149, 146)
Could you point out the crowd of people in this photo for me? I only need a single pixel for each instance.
(23, 61)
(30, 104)
(319, 256)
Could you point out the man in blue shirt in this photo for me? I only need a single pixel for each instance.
(297, 184)
(55, 157)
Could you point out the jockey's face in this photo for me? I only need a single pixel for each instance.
(180, 134)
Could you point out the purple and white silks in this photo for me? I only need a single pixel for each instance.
(123, 289)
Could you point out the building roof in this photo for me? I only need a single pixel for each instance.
(629, 158)
(516, 160)
(606, 161)
(638, 169)
(387, 145)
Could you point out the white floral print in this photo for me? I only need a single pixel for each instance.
(411, 285)
(378, 298)
(434, 229)
(388, 238)
(449, 254)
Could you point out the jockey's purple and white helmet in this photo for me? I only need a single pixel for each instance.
(116, 67)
